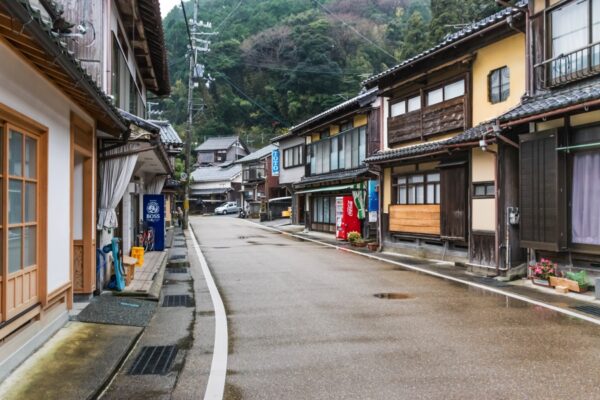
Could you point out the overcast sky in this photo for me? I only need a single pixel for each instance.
(167, 5)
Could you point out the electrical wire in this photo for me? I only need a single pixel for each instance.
(187, 25)
(229, 15)
(328, 11)
(307, 71)
(251, 100)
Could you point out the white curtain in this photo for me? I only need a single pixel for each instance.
(585, 215)
(115, 174)
(156, 184)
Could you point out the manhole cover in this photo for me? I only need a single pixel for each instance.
(154, 360)
(177, 301)
(177, 270)
(393, 296)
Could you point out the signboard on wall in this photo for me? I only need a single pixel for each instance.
(275, 162)
(154, 216)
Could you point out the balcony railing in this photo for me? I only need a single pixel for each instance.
(569, 67)
(346, 150)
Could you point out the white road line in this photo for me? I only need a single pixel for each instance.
(218, 369)
(439, 275)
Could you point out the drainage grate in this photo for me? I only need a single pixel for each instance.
(180, 300)
(154, 360)
(594, 310)
(177, 270)
(393, 296)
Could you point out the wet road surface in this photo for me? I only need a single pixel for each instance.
(304, 323)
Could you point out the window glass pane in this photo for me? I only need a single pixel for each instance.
(342, 153)
(348, 151)
(355, 145)
(326, 210)
(479, 190)
(411, 195)
(414, 103)
(313, 162)
(420, 194)
(319, 157)
(489, 190)
(15, 154)
(595, 21)
(402, 195)
(402, 180)
(431, 194)
(415, 179)
(435, 96)
(326, 154)
(398, 108)
(30, 202)
(14, 249)
(569, 27)
(15, 197)
(334, 154)
(433, 177)
(455, 89)
(345, 126)
(437, 194)
(362, 148)
(29, 253)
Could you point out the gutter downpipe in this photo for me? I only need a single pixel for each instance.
(18, 10)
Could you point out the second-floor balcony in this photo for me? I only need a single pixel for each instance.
(346, 150)
(575, 65)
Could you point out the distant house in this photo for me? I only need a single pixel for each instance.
(214, 185)
(219, 150)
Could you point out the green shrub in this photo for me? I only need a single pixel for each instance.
(579, 277)
(354, 236)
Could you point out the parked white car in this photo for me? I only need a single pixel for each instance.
(230, 207)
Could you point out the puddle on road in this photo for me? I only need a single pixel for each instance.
(393, 296)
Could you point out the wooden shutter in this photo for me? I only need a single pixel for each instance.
(373, 132)
(453, 202)
(542, 191)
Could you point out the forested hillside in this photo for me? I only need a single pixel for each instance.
(277, 62)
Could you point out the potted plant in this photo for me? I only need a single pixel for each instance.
(355, 239)
(541, 272)
(577, 281)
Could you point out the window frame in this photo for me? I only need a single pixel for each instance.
(500, 85)
(424, 184)
(291, 153)
(406, 100)
(443, 87)
(486, 185)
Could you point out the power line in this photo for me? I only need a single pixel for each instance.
(229, 15)
(250, 99)
(355, 30)
(187, 26)
(308, 71)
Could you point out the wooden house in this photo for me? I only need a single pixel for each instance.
(443, 168)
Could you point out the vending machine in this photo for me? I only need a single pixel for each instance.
(346, 217)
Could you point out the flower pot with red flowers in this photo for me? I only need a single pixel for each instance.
(541, 272)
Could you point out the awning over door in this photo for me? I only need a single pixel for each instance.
(328, 189)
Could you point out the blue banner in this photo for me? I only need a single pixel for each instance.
(154, 216)
(275, 162)
(373, 196)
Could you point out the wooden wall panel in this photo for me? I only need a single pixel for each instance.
(415, 218)
(482, 248)
(444, 117)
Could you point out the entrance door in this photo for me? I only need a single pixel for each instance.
(453, 202)
(83, 256)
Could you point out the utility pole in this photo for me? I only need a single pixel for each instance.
(190, 121)
(196, 72)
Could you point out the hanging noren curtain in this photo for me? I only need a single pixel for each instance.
(155, 186)
(115, 175)
(585, 215)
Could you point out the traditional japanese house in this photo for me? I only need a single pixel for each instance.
(443, 168)
(292, 166)
(51, 111)
(337, 142)
(220, 150)
(212, 186)
(558, 128)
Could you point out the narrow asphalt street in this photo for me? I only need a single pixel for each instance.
(304, 324)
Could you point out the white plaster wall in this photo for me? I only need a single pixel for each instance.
(290, 175)
(25, 90)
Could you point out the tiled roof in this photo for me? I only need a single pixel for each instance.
(281, 137)
(212, 174)
(142, 123)
(217, 143)
(153, 28)
(469, 135)
(39, 18)
(450, 39)
(348, 104)
(258, 154)
(168, 134)
(334, 176)
(554, 100)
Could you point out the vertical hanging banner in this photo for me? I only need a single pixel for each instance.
(275, 162)
(373, 200)
(359, 194)
(154, 216)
